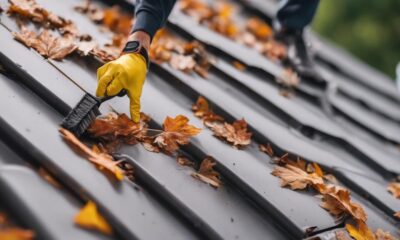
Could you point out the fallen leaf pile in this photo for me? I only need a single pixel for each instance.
(207, 174)
(89, 218)
(10, 232)
(113, 20)
(236, 133)
(218, 16)
(300, 175)
(56, 48)
(29, 9)
(100, 158)
(184, 56)
(117, 128)
(114, 129)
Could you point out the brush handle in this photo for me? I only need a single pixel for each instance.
(120, 94)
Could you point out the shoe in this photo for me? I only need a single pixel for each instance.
(298, 55)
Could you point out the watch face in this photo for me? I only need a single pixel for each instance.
(132, 46)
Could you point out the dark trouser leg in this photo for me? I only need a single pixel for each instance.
(296, 14)
(292, 17)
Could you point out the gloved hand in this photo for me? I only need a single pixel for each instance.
(127, 72)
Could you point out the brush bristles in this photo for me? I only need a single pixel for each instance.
(80, 118)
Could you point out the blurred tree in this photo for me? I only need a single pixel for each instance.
(368, 29)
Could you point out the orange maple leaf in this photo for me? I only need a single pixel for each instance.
(177, 131)
(89, 218)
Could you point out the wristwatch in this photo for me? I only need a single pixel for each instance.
(136, 47)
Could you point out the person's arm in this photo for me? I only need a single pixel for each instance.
(151, 15)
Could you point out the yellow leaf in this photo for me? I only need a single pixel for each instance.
(362, 232)
(89, 218)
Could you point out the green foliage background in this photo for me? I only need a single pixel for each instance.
(370, 29)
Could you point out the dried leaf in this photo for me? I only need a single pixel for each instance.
(207, 174)
(397, 214)
(86, 47)
(289, 78)
(25, 36)
(296, 178)
(13, 233)
(361, 232)
(331, 178)
(235, 133)
(259, 28)
(382, 235)
(46, 176)
(10, 232)
(337, 201)
(177, 132)
(89, 218)
(117, 127)
(342, 235)
(202, 110)
(31, 10)
(394, 189)
(266, 148)
(183, 161)
(102, 160)
(238, 65)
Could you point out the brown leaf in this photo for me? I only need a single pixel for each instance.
(177, 131)
(238, 65)
(89, 218)
(382, 235)
(31, 10)
(235, 133)
(207, 174)
(85, 47)
(55, 48)
(337, 201)
(342, 235)
(10, 232)
(202, 110)
(394, 189)
(47, 176)
(183, 161)
(117, 127)
(296, 178)
(397, 214)
(16, 234)
(289, 78)
(101, 159)
(266, 148)
(25, 36)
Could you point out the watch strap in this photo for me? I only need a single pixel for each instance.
(135, 47)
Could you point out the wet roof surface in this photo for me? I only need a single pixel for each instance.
(356, 138)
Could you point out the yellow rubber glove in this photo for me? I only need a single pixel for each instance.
(127, 72)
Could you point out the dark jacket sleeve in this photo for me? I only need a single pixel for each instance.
(151, 15)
